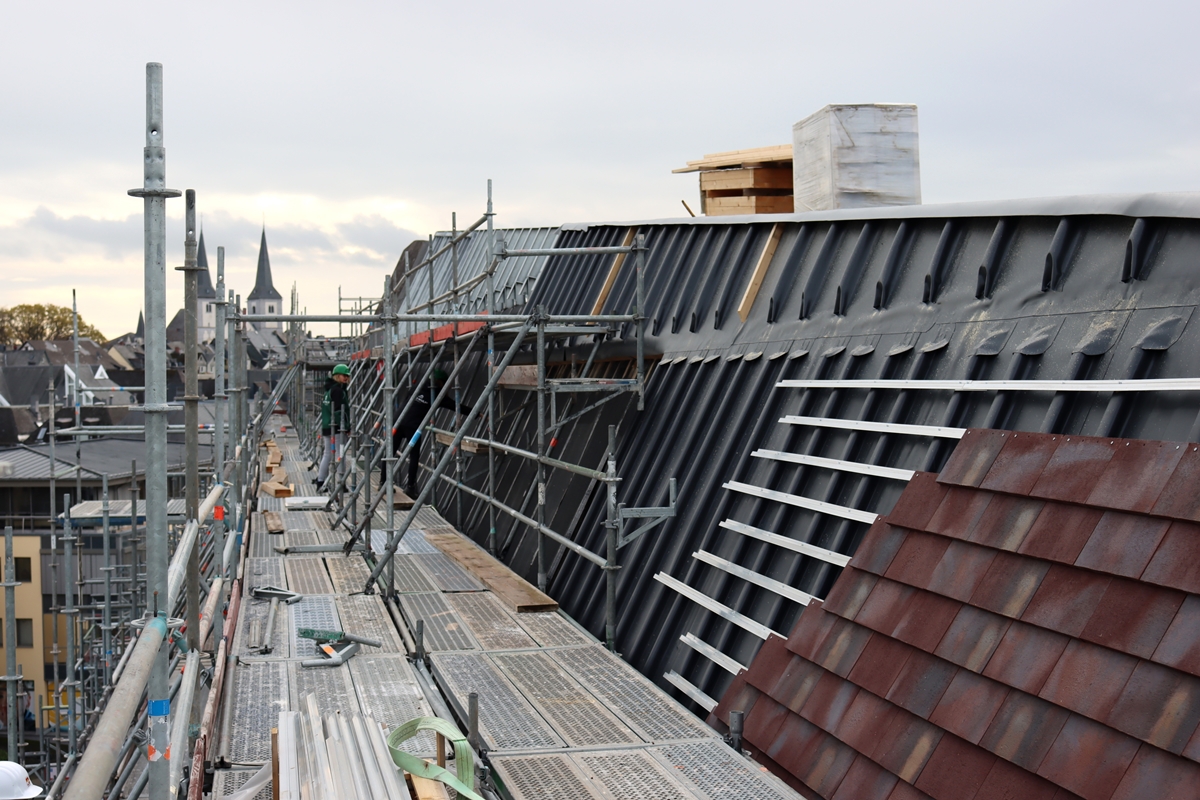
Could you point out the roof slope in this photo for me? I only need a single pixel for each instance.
(1025, 624)
(264, 286)
(204, 285)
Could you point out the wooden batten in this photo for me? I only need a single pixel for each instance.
(760, 272)
(613, 272)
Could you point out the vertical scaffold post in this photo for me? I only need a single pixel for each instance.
(107, 626)
(11, 677)
(70, 612)
(219, 397)
(640, 311)
(191, 398)
(541, 444)
(155, 194)
(389, 416)
(458, 458)
(491, 368)
(612, 525)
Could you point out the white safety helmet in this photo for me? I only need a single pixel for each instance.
(14, 782)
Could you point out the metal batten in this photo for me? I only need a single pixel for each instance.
(876, 427)
(837, 464)
(1132, 385)
(819, 506)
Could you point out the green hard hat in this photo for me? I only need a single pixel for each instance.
(439, 376)
(341, 369)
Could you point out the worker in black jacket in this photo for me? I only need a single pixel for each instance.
(406, 427)
(335, 418)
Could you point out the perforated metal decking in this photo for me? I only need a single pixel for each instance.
(559, 715)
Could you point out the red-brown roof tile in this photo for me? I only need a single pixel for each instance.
(1180, 645)
(926, 619)
(919, 500)
(968, 465)
(1024, 729)
(1153, 773)
(824, 762)
(841, 646)
(849, 592)
(917, 558)
(1088, 758)
(1176, 563)
(969, 705)
(878, 547)
(1159, 705)
(905, 745)
(1122, 543)
(772, 659)
(921, 683)
(885, 606)
(1088, 679)
(1179, 498)
(812, 627)
(1006, 522)
(903, 791)
(962, 567)
(1060, 532)
(956, 770)
(1009, 584)
(1066, 599)
(740, 696)
(828, 701)
(764, 720)
(795, 683)
(972, 638)
(1072, 472)
(1132, 617)
(865, 780)
(1019, 463)
(879, 664)
(958, 512)
(865, 717)
(793, 744)
(1134, 478)
(1009, 782)
(1026, 656)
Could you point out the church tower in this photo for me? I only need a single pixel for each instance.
(264, 299)
(206, 312)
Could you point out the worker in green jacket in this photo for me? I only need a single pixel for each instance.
(335, 419)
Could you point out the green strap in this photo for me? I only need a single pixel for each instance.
(464, 758)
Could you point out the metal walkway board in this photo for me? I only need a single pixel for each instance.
(551, 775)
(717, 771)
(264, 572)
(228, 781)
(551, 629)
(414, 543)
(493, 626)
(330, 685)
(639, 703)
(260, 692)
(348, 573)
(262, 544)
(307, 576)
(316, 612)
(447, 574)
(444, 630)
(387, 690)
(578, 717)
(365, 615)
(506, 719)
(410, 577)
(249, 632)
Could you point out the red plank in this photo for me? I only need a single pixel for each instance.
(1026, 656)
(1122, 543)
(1072, 472)
(1020, 463)
(1088, 679)
(973, 457)
(1159, 705)
(1060, 532)
(1088, 758)
(1132, 617)
(969, 705)
(1136, 475)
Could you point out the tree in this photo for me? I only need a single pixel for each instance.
(35, 321)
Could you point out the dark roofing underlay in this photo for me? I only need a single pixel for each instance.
(1026, 624)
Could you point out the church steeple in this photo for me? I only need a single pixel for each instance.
(204, 285)
(264, 287)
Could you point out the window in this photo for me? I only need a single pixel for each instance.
(208, 307)
(270, 309)
(24, 633)
(24, 570)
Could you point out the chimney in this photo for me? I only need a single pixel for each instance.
(856, 156)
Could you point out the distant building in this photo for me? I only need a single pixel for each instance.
(264, 299)
(206, 296)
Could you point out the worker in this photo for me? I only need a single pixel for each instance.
(14, 782)
(335, 419)
(406, 428)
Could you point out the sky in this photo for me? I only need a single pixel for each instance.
(349, 129)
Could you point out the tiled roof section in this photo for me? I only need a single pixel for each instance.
(1024, 625)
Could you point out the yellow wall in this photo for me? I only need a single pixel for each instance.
(28, 606)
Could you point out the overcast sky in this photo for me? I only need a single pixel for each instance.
(351, 128)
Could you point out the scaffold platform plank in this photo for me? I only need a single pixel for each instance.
(308, 576)
(444, 629)
(348, 573)
(513, 590)
(492, 626)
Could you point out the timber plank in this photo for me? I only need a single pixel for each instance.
(511, 589)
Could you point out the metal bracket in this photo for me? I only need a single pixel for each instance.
(656, 514)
